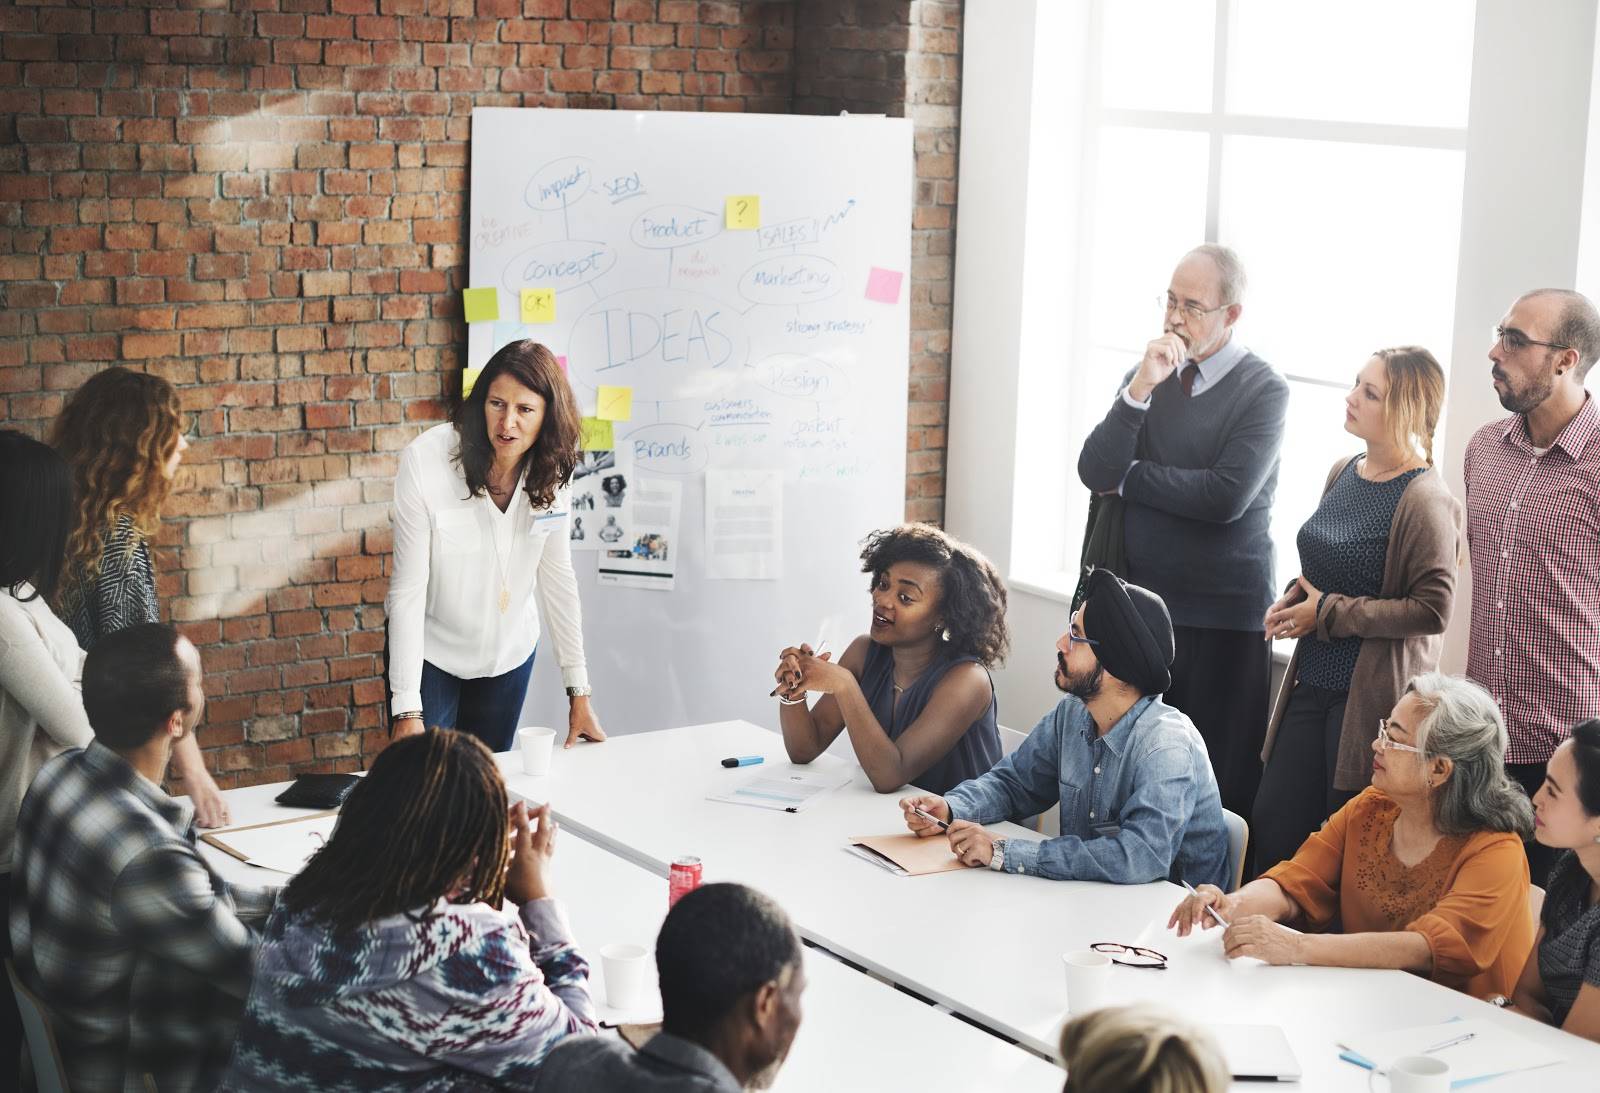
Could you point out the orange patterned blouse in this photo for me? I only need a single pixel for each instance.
(1468, 898)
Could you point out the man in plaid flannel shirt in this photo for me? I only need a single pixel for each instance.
(1533, 531)
(136, 947)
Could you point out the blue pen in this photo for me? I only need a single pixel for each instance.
(744, 761)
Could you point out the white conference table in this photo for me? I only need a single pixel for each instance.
(857, 1033)
(985, 944)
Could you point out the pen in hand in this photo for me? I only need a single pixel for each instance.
(930, 817)
(1209, 909)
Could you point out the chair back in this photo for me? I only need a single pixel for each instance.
(1238, 842)
(48, 1072)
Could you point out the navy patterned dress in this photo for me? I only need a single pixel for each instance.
(1342, 549)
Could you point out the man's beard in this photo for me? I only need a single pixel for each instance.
(1531, 396)
(1082, 687)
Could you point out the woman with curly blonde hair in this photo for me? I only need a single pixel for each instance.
(121, 434)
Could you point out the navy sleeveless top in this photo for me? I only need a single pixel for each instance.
(974, 752)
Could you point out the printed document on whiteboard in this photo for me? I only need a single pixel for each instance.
(744, 524)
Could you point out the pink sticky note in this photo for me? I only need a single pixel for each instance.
(883, 285)
(562, 361)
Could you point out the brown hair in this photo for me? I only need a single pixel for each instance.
(429, 816)
(1416, 396)
(554, 454)
(116, 432)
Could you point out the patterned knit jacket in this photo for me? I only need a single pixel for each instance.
(455, 996)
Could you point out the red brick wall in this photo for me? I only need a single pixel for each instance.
(266, 206)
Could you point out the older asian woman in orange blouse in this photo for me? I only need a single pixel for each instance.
(1424, 870)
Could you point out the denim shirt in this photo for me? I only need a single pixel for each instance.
(1138, 804)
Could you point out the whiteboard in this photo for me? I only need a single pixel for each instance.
(745, 350)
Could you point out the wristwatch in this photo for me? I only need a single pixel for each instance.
(579, 692)
(998, 862)
(1498, 1000)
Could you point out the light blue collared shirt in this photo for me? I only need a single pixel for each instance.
(1138, 804)
(1211, 371)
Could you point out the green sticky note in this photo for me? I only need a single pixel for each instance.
(744, 212)
(596, 435)
(469, 378)
(538, 305)
(614, 403)
(482, 305)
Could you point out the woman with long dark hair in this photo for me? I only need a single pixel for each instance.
(41, 666)
(121, 433)
(1560, 984)
(388, 963)
(481, 550)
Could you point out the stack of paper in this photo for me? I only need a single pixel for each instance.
(786, 787)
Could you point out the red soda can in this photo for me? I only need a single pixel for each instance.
(683, 878)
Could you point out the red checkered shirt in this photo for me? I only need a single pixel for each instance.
(1533, 529)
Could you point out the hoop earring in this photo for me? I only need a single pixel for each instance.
(944, 635)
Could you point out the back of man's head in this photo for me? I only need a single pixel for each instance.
(719, 945)
(133, 681)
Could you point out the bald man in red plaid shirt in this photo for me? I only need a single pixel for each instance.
(1533, 530)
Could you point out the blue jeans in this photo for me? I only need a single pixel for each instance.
(487, 708)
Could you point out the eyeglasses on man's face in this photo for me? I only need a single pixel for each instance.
(1389, 743)
(1074, 638)
(1513, 340)
(1189, 309)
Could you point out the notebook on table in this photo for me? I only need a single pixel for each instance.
(1257, 1052)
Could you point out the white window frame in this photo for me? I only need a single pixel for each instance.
(1024, 97)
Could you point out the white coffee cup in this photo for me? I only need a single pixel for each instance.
(1415, 1074)
(624, 967)
(1087, 975)
(536, 744)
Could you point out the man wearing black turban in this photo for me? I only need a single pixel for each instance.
(1138, 799)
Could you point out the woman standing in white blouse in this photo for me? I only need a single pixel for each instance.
(41, 666)
(481, 551)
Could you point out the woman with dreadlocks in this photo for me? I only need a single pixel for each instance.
(388, 964)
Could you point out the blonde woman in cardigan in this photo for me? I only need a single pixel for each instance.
(1377, 583)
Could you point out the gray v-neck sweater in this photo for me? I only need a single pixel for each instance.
(1200, 496)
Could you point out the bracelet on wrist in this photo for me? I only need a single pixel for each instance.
(403, 716)
(801, 701)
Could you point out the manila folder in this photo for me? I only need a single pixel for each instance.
(916, 856)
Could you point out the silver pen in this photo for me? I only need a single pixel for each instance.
(1209, 909)
(1463, 1038)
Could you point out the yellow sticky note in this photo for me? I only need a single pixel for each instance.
(482, 304)
(469, 378)
(596, 435)
(538, 305)
(744, 211)
(614, 403)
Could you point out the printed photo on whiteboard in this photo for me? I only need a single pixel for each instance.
(744, 524)
(599, 511)
(644, 554)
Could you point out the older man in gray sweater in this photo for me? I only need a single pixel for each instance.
(1191, 444)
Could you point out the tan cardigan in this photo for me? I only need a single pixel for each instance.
(1401, 630)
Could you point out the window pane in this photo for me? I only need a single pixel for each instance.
(1349, 247)
(1314, 438)
(1398, 62)
(1149, 205)
(1156, 54)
